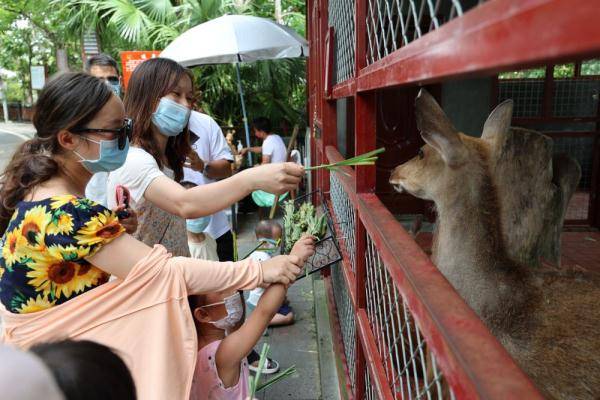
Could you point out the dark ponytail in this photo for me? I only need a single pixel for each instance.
(68, 101)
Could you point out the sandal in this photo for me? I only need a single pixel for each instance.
(270, 367)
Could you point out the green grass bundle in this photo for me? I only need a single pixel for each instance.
(363, 159)
(301, 221)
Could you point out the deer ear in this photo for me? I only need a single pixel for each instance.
(437, 130)
(498, 122)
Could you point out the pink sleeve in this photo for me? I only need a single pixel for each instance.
(203, 276)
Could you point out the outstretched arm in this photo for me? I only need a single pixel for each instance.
(204, 200)
(238, 344)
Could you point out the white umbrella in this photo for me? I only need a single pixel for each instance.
(235, 39)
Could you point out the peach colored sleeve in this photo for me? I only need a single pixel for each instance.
(203, 276)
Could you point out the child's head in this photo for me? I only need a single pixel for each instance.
(268, 229)
(219, 310)
(87, 370)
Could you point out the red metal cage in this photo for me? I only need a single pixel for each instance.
(400, 329)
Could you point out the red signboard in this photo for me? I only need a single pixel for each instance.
(131, 59)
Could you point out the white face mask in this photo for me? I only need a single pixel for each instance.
(235, 310)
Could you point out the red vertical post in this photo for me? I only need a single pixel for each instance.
(328, 133)
(364, 128)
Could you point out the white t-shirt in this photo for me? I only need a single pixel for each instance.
(255, 294)
(96, 188)
(206, 250)
(139, 170)
(210, 146)
(274, 146)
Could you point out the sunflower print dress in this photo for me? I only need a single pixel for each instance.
(44, 249)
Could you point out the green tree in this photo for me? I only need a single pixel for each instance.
(45, 20)
(273, 88)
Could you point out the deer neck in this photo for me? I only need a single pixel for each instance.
(468, 247)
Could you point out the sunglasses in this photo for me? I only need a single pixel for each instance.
(112, 79)
(122, 133)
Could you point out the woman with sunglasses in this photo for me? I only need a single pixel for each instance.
(159, 97)
(58, 247)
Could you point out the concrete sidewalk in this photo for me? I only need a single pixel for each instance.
(305, 344)
(23, 129)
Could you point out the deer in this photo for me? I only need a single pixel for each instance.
(493, 233)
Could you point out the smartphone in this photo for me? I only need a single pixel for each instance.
(122, 197)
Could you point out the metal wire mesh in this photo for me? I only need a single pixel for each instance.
(527, 95)
(345, 311)
(370, 393)
(344, 211)
(582, 150)
(392, 24)
(341, 18)
(411, 369)
(576, 98)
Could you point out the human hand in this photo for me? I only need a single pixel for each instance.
(244, 151)
(275, 178)
(304, 247)
(128, 218)
(195, 162)
(281, 269)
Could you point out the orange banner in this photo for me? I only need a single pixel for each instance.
(131, 59)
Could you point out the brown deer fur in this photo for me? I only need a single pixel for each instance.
(501, 202)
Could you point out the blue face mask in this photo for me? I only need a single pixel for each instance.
(269, 245)
(110, 158)
(197, 225)
(170, 117)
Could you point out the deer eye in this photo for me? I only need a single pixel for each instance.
(421, 154)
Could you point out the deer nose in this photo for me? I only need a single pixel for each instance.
(396, 177)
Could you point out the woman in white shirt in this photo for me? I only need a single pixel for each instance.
(159, 96)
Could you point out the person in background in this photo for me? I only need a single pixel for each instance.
(273, 148)
(273, 151)
(210, 160)
(159, 97)
(269, 233)
(201, 244)
(104, 67)
(87, 370)
(23, 376)
(222, 369)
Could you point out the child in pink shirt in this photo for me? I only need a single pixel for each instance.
(221, 369)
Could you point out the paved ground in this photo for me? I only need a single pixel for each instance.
(11, 136)
(296, 344)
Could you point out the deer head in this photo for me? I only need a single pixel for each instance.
(442, 158)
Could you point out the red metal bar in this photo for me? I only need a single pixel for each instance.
(364, 121)
(548, 98)
(373, 361)
(344, 89)
(495, 36)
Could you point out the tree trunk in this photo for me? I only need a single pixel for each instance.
(62, 60)
(278, 15)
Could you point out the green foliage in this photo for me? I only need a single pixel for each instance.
(32, 30)
(534, 73)
(590, 67)
(302, 221)
(276, 89)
